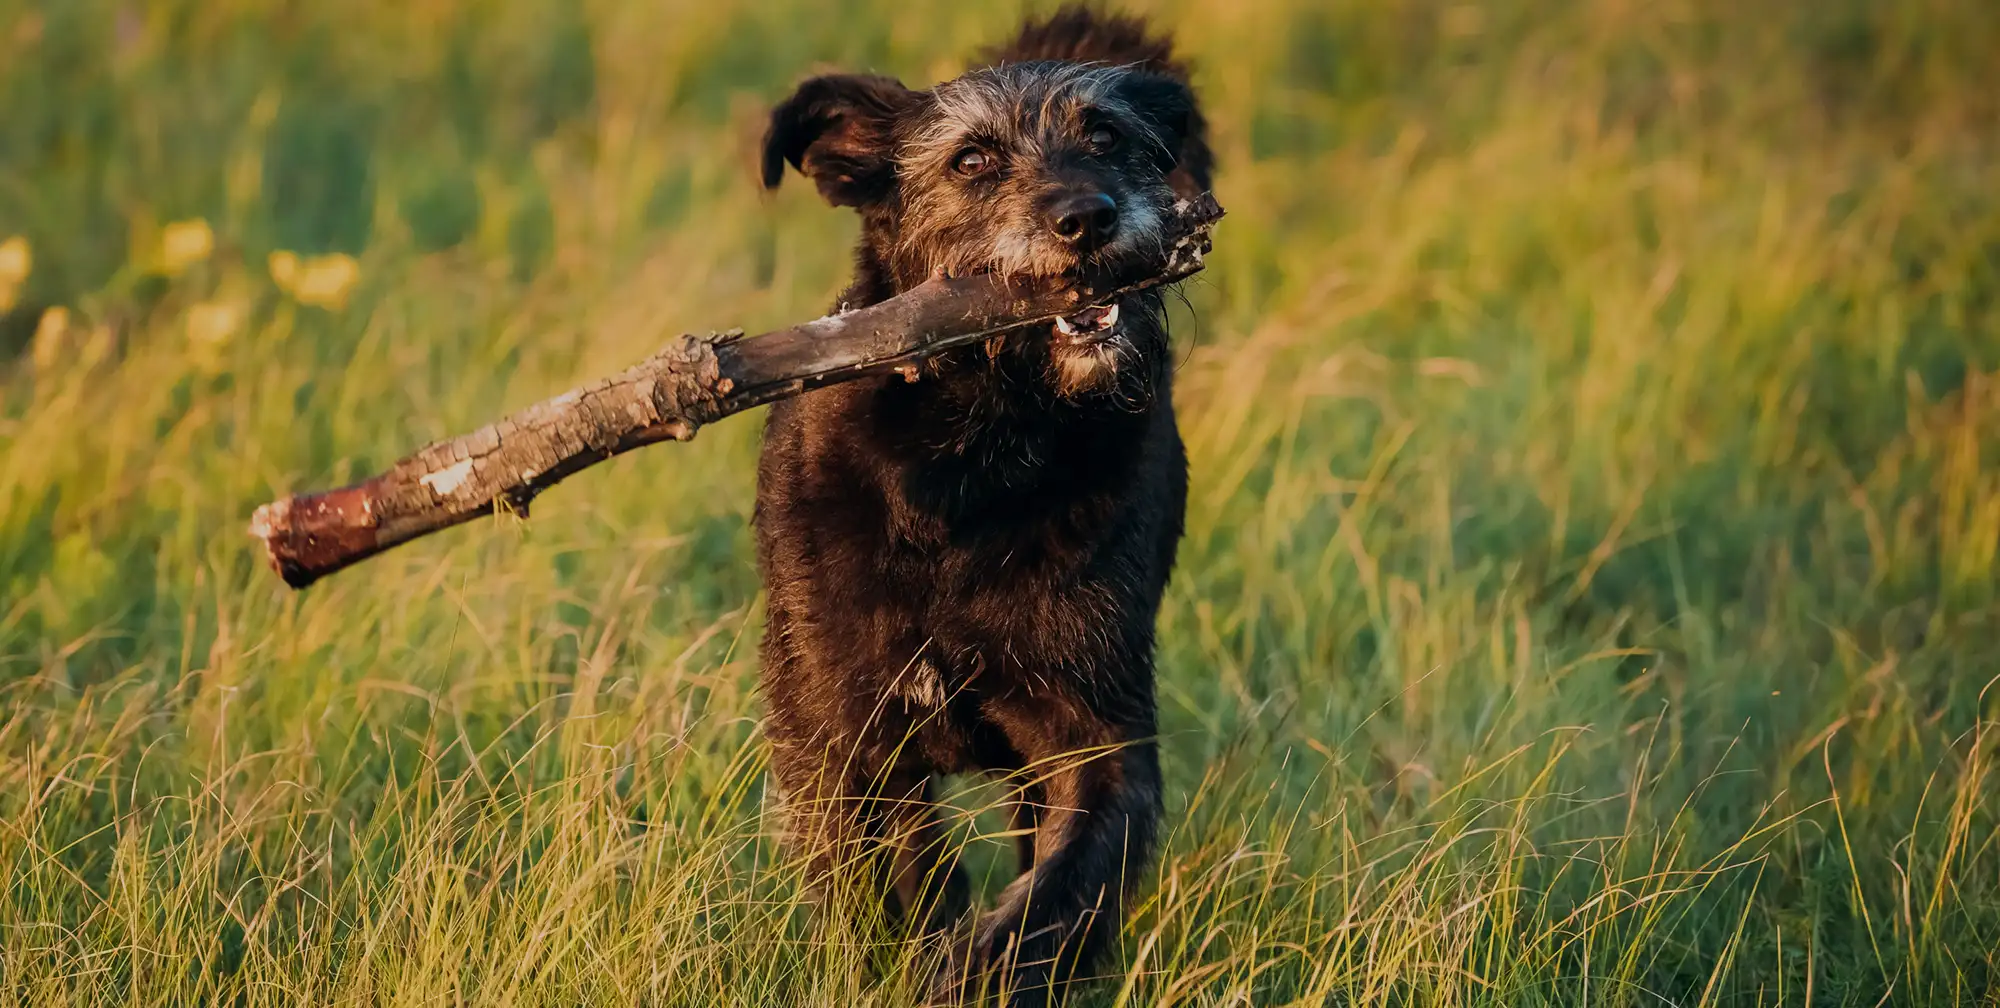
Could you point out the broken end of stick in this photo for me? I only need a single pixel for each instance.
(268, 518)
(306, 538)
(1200, 215)
(1199, 211)
(269, 525)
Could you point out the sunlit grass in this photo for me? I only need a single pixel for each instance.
(1589, 592)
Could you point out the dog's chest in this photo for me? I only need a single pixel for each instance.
(935, 575)
(1013, 593)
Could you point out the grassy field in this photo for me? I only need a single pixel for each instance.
(1590, 588)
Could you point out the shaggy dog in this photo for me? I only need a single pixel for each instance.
(964, 570)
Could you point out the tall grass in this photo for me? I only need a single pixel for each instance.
(1589, 594)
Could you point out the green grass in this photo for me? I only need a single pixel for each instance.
(1590, 588)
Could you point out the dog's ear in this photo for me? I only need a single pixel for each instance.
(838, 131)
(1169, 105)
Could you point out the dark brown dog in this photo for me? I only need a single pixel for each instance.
(964, 571)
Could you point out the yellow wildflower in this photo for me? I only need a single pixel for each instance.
(327, 280)
(323, 281)
(185, 243)
(284, 269)
(15, 262)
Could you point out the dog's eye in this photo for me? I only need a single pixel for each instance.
(972, 161)
(1102, 138)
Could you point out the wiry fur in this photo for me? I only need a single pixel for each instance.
(1039, 109)
(963, 573)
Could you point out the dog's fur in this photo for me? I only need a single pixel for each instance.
(963, 572)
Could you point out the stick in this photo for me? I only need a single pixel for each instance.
(693, 381)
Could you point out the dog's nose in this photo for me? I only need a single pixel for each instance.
(1086, 220)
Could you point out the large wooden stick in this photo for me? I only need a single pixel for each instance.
(694, 380)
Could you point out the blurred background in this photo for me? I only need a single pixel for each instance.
(1589, 593)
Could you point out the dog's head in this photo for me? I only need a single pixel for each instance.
(1038, 168)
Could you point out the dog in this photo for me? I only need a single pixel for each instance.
(963, 571)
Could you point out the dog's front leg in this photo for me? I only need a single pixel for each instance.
(1100, 790)
(870, 837)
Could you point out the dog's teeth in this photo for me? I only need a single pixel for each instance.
(1089, 321)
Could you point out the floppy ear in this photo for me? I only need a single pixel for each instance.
(1169, 104)
(838, 131)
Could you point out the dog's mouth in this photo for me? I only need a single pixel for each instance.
(1091, 325)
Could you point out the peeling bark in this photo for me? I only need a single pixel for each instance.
(693, 381)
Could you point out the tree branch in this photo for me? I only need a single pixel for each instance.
(693, 381)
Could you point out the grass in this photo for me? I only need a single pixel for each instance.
(1589, 594)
